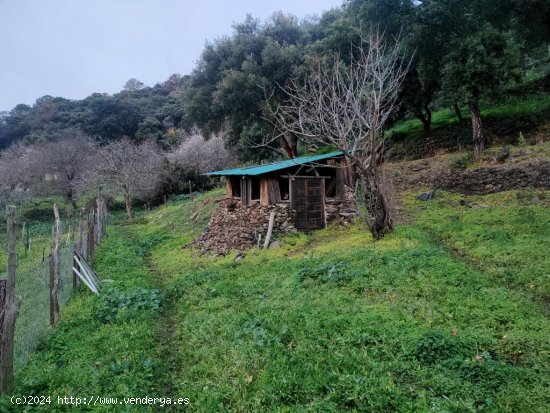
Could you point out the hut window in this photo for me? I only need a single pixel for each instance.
(284, 188)
(255, 189)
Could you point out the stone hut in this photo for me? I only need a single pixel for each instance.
(307, 183)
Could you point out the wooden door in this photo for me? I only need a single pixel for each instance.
(308, 202)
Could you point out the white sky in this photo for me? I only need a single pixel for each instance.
(72, 48)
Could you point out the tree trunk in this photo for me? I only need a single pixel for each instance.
(478, 132)
(379, 215)
(458, 113)
(9, 309)
(426, 119)
(290, 144)
(70, 197)
(128, 203)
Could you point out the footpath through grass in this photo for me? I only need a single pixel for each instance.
(425, 320)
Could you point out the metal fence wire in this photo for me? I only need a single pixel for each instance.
(33, 321)
(33, 285)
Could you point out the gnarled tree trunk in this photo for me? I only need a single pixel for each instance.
(477, 131)
(379, 217)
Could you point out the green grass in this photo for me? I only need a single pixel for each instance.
(515, 107)
(502, 122)
(88, 355)
(440, 118)
(423, 320)
(506, 235)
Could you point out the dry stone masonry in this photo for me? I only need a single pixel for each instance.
(487, 180)
(235, 228)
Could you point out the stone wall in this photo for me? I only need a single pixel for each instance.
(492, 179)
(342, 211)
(232, 227)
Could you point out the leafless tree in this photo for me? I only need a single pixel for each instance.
(63, 165)
(347, 106)
(197, 155)
(135, 171)
(15, 175)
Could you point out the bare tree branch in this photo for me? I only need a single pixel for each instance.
(347, 106)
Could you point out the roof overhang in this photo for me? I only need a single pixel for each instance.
(275, 166)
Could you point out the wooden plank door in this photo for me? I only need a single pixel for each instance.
(308, 202)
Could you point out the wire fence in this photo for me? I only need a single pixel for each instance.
(33, 278)
(33, 321)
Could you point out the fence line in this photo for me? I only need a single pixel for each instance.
(48, 284)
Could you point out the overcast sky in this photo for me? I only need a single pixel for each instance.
(72, 48)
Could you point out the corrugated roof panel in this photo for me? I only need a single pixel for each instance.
(276, 166)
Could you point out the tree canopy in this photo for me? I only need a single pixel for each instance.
(460, 51)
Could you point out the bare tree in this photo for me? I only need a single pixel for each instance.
(15, 174)
(347, 106)
(136, 171)
(197, 155)
(64, 165)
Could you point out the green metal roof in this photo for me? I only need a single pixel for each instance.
(276, 166)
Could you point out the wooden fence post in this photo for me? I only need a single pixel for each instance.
(23, 237)
(54, 269)
(91, 240)
(98, 234)
(28, 239)
(101, 219)
(9, 309)
(269, 229)
(79, 244)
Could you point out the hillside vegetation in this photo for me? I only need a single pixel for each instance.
(449, 313)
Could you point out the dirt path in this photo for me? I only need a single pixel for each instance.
(168, 363)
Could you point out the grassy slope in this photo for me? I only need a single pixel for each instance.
(329, 322)
(513, 108)
(336, 322)
(503, 123)
(86, 357)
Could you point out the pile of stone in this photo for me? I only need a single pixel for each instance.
(232, 227)
(342, 210)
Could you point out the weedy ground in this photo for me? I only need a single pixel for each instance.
(447, 314)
